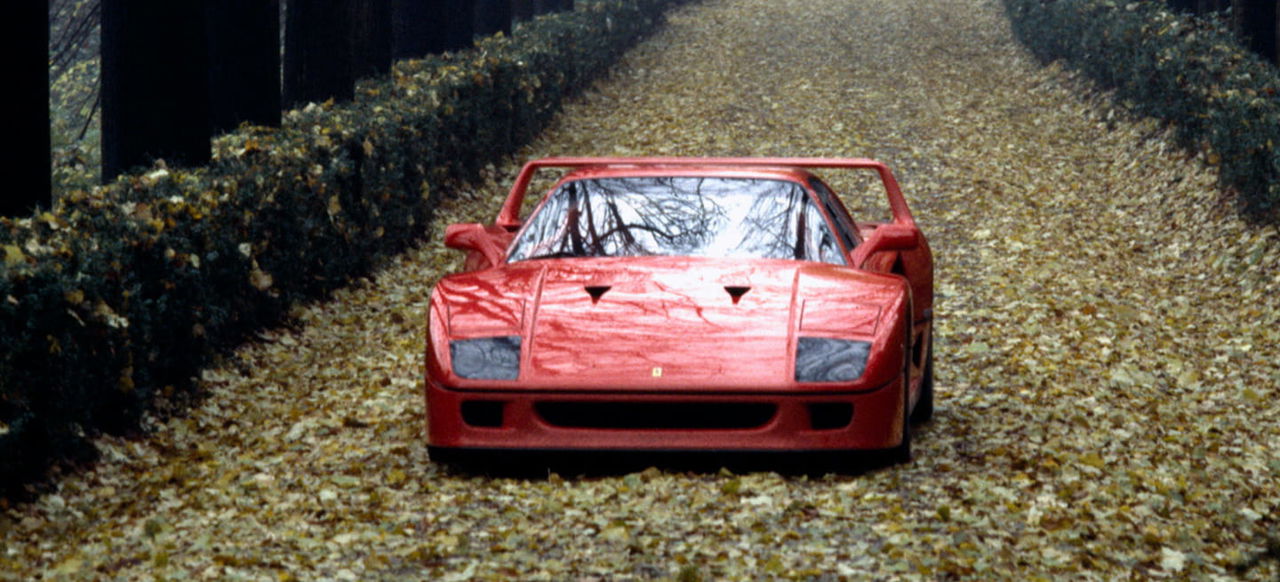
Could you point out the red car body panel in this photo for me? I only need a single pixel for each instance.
(679, 353)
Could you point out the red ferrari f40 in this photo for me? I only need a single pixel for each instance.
(683, 304)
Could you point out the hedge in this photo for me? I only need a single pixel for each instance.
(1189, 71)
(121, 294)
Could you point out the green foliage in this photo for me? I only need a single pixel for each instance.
(1184, 70)
(121, 293)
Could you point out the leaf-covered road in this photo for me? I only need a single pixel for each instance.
(1107, 356)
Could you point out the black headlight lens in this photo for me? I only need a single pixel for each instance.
(486, 358)
(820, 359)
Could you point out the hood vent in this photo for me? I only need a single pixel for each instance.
(736, 292)
(596, 292)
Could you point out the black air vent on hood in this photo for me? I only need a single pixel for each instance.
(736, 292)
(596, 292)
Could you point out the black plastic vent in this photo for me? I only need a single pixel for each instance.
(830, 415)
(597, 291)
(656, 415)
(482, 413)
(736, 292)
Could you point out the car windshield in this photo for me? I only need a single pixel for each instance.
(679, 216)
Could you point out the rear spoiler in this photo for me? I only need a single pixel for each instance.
(509, 217)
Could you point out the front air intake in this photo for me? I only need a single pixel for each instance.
(656, 415)
(482, 413)
(830, 415)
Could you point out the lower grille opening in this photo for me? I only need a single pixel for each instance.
(656, 415)
(482, 413)
(830, 415)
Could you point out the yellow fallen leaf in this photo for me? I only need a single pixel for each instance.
(261, 280)
(69, 566)
(616, 533)
(396, 477)
(1093, 460)
(13, 255)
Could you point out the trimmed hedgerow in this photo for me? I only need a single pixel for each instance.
(1189, 71)
(122, 293)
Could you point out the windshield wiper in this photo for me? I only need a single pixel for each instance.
(559, 255)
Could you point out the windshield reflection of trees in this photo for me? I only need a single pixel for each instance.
(682, 216)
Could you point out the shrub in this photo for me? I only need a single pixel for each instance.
(125, 291)
(1184, 70)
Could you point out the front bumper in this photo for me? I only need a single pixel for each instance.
(664, 421)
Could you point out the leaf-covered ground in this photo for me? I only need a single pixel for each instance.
(1107, 356)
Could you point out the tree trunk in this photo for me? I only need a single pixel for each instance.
(27, 41)
(318, 62)
(1199, 6)
(423, 27)
(460, 25)
(1257, 22)
(244, 63)
(545, 6)
(522, 10)
(409, 25)
(155, 84)
(492, 17)
(371, 37)
(1212, 6)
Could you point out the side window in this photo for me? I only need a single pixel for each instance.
(844, 225)
(821, 243)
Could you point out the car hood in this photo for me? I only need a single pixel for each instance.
(623, 323)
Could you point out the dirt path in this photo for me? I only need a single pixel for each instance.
(1108, 365)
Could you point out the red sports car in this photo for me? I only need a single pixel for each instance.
(683, 304)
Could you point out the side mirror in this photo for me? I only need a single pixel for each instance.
(888, 237)
(473, 237)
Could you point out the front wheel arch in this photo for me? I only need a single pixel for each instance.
(923, 412)
(902, 452)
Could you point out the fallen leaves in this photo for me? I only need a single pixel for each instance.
(261, 280)
(13, 255)
(1109, 339)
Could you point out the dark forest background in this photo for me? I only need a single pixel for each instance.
(130, 82)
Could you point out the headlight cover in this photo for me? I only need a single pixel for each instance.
(486, 358)
(820, 359)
